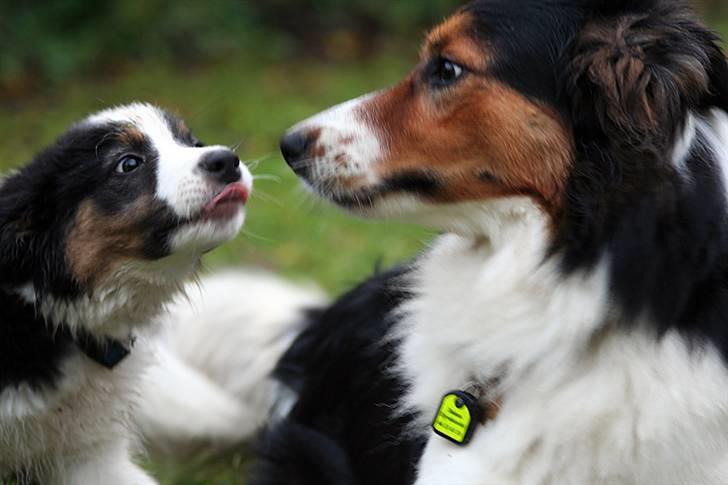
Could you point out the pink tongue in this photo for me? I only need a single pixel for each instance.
(232, 193)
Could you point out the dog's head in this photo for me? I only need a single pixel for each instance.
(127, 198)
(605, 118)
(507, 99)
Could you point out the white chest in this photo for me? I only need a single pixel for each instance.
(89, 408)
(583, 403)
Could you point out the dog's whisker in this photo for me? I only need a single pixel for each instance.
(253, 164)
(267, 177)
(237, 146)
(253, 235)
(259, 194)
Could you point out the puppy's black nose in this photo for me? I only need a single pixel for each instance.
(222, 166)
(295, 148)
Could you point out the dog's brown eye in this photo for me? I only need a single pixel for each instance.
(444, 73)
(129, 164)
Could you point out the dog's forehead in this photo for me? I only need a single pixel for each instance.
(154, 123)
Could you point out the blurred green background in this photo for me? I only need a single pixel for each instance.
(240, 72)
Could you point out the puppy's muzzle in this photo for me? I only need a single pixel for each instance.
(222, 166)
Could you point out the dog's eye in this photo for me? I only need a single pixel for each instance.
(444, 73)
(129, 164)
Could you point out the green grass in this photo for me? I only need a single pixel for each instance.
(249, 103)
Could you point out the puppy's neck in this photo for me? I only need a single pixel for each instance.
(118, 307)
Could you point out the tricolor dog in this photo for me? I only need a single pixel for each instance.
(575, 155)
(97, 233)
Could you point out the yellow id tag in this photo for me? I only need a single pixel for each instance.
(457, 417)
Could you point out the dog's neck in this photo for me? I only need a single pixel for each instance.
(124, 304)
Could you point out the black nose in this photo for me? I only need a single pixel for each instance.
(222, 166)
(295, 148)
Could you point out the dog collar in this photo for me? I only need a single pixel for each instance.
(106, 352)
(461, 411)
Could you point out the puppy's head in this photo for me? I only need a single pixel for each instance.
(126, 197)
(506, 101)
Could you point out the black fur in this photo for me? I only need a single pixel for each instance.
(38, 205)
(665, 232)
(30, 351)
(343, 429)
(624, 75)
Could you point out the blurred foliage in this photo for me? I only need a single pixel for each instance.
(45, 42)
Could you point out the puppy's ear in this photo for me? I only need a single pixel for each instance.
(31, 238)
(15, 247)
(633, 77)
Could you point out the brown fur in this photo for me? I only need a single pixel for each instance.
(480, 139)
(629, 72)
(98, 244)
(131, 136)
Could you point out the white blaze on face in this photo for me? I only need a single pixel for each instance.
(346, 146)
(180, 182)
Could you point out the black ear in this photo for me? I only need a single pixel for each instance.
(32, 236)
(633, 76)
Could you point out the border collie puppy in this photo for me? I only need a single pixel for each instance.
(574, 313)
(97, 233)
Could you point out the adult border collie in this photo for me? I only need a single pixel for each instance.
(575, 155)
(97, 233)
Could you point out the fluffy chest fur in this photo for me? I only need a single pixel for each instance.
(88, 407)
(585, 399)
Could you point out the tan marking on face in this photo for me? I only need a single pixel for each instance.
(452, 40)
(97, 243)
(132, 136)
(480, 138)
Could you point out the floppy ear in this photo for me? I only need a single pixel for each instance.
(31, 240)
(633, 77)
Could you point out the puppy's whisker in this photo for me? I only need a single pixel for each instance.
(269, 177)
(237, 146)
(257, 236)
(253, 164)
(259, 194)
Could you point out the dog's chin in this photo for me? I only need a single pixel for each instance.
(475, 218)
(375, 202)
(204, 234)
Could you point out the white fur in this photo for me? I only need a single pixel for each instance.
(582, 404)
(226, 336)
(62, 434)
(684, 144)
(585, 401)
(343, 134)
(715, 128)
(180, 182)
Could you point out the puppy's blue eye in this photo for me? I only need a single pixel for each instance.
(129, 164)
(444, 73)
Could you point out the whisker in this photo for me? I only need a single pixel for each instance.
(236, 147)
(257, 236)
(269, 177)
(259, 194)
(253, 164)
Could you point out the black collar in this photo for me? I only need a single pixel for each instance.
(107, 352)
